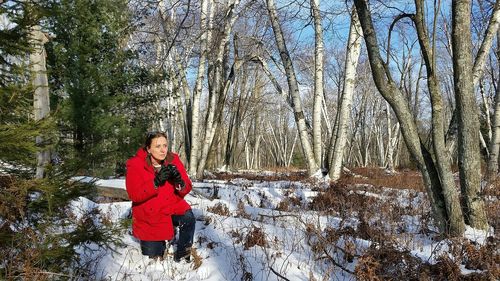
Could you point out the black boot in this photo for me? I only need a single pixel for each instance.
(180, 255)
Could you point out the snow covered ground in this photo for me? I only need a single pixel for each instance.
(267, 230)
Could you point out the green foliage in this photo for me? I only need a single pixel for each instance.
(14, 42)
(17, 130)
(18, 140)
(95, 76)
(38, 233)
(47, 236)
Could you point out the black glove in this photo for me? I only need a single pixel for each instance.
(175, 176)
(161, 177)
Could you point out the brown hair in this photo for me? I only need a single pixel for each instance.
(153, 135)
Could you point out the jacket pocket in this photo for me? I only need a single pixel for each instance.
(151, 212)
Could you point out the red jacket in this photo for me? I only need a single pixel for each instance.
(152, 208)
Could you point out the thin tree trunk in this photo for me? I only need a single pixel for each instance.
(218, 87)
(41, 100)
(495, 139)
(194, 104)
(468, 120)
(442, 162)
(389, 160)
(486, 44)
(353, 51)
(390, 92)
(293, 88)
(318, 81)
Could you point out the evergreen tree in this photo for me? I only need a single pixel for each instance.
(17, 130)
(39, 237)
(95, 76)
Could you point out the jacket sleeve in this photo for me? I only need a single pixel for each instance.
(139, 189)
(185, 177)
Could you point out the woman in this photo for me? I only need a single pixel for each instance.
(157, 182)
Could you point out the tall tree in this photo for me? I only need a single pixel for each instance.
(220, 80)
(495, 140)
(193, 107)
(344, 111)
(443, 165)
(293, 88)
(468, 120)
(389, 90)
(318, 81)
(94, 75)
(16, 96)
(41, 91)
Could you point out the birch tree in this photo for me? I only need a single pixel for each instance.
(41, 99)
(351, 62)
(219, 85)
(318, 81)
(293, 88)
(193, 106)
(495, 139)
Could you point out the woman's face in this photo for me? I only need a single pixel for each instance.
(158, 149)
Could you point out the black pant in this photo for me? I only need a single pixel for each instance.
(153, 248)
(186, 224)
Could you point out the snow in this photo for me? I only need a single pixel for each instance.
(221, 240)
(477, 235)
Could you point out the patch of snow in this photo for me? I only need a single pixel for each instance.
(476, 235)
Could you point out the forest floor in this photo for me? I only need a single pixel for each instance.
(282, 225)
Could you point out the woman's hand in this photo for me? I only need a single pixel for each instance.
(175, 176)
(162, 176)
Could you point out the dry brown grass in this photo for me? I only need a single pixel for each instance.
(281, 175)
(197, 259)
(256, 237)
(219, 209)
(387, 263)
(403, 179)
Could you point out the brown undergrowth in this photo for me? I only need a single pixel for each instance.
(401, 179)
(383, 220)
(281, 175)
(368, 212)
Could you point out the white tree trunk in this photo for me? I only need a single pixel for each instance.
(495, 138)
(318, 81)
(219, 89)
(293, 88)
(353, 51)
(391, 140)
(195, 102)
(486, 44)
(41, 100)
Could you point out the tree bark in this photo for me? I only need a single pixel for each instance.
(218, 86)
(395, 98)
(293, 88)
(478, 67)
(442, 162)
(352, 58)
(41, 99)
(468, 120)
(495, 139)
(318, 81)
(193, 108)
